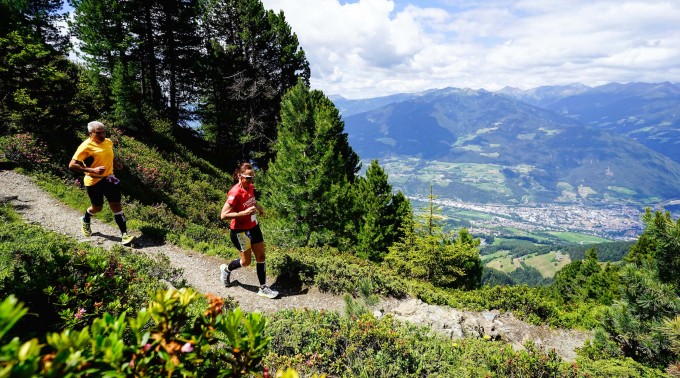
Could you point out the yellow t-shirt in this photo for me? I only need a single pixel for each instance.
(102, 154)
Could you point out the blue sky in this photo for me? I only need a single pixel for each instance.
(371, 48)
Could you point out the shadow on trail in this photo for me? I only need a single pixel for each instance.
(14, 202)
(107, 237)
(146, 241)
(283, 289)
(139, 242)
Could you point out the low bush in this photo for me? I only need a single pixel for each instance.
(333, 271)
(66, 283)
(321, 341)
(164, 342)
(338, 273)
(25, 150)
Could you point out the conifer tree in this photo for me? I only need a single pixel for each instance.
(40, 18)
(252, 59)
(430, 254)
(124, 93)
(177, 44)
(37, 84)
(583, 280)
(666, 235)
(102, 27)
(637, 325)
(636, 322)
(308, 184)
(156, 43)
(380, 213)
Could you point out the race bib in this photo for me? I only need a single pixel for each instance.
(243, 241)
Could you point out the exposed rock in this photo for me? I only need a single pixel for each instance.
(457, 324)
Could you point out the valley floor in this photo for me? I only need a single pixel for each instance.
(617, 222)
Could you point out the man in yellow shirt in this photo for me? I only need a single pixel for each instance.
(99, 179)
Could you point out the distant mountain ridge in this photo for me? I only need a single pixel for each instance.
(550, 144)
(648, 113)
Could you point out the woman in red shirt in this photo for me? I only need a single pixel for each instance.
(242, 209)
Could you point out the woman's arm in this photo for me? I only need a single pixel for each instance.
(228, 213)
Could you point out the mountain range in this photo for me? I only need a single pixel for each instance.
(612, 144)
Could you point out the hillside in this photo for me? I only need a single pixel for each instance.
(645, 112)
(528, 154)
(364, 276)
(201, 272)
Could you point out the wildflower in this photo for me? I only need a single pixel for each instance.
(80, 313)
(187, 348)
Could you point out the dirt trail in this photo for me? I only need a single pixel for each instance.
(202, 273)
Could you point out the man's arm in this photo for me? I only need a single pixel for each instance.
(79, 166)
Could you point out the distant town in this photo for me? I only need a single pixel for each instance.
(615, 222)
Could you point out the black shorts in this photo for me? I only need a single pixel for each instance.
(243, 239)
(103, 188)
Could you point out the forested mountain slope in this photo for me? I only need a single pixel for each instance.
(539, 154)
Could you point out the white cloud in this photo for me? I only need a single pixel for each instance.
(377, 47)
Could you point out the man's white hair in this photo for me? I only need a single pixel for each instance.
(94, 124)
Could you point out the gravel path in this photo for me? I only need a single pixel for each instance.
(202, 273)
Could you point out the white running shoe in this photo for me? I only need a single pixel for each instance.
(266, 291)
(225, 275)
(126, 239)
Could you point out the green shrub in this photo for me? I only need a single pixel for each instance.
(337, 273)
(333, 271)
(218, 343)
(66, 283)
(321, 341)
(25, 150)
(618, 367)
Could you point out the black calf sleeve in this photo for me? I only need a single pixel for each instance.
(121, 222)
(261, 273)
(234, 265)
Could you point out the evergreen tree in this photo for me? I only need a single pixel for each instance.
(639, 325)
(379, 213)
(125, 97)
(493, 277)
(308, 185)
(151, 47)
(636, 322)
(223, 91)
(642, 251)
(585, 279)
(37, 87)
(103, 29)
(252, 59)
(40, 18)
(666, 235)
(178, 46)
(429, 254)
